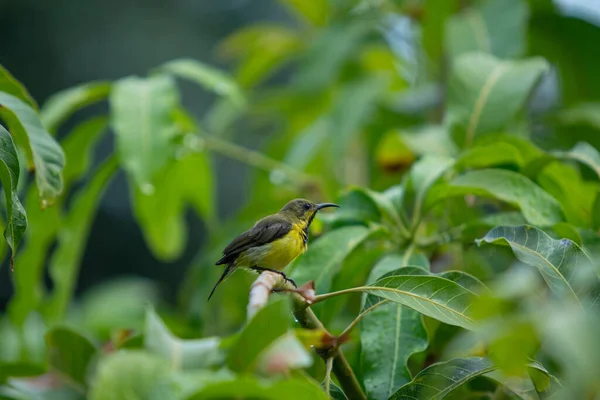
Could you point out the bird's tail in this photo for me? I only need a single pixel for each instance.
(225, 274)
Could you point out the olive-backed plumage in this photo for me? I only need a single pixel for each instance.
(273, 242)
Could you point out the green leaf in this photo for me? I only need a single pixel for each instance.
(435, 18)
(9, 176)
(263, 48)
(250, 388)
(584, 153)
(206, 76)
(336, 393)
(489, 156)
(9, 84)
(432, 295)
(19, 369)
(563, 265)
(70, 353)
(161, 214)
(357, 101)
(72, 238)
(79, 145)
(498, 27)
(313, 12)
(141, 110)
(42, 151)
(127, 374)
(537, 206)
(438, 380)
(326, 254)
(466, 280)
(423, 174)
(485, 93)
(596, 212)
(182, 354)
(270, 323)
(430, 140)
(114, 304)
(322, 62)
(61, 105)
(576, 196)
(389, 335)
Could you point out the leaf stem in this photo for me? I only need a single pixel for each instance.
(329, 364)
(360, 316)
(322, 297)
(257, 159)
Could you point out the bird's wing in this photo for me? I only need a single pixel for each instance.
(264, 231)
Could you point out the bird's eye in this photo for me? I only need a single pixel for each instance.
(306, 206)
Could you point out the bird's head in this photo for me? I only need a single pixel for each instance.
(304, 210)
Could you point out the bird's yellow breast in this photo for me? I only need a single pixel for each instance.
(277, 254)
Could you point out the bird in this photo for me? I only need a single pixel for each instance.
(272, 242)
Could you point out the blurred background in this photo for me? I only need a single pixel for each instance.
(55, 46)
(330, 91)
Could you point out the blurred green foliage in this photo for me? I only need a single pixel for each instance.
(460, 139)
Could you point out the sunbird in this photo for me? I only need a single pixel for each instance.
(273, 242)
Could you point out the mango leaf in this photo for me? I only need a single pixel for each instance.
(182, 354)
(72, 238)
(584, 153)
(389, 335)
(117, 303)
(19, 369)
(596, 212)
(563, 265)
(141, 110)
(438, 380)
(78, 146)
(185, 180)
(70, 353)
(9, 176)
(42, 151)
(323, 260)
(269, 324)
(247, 387)
(466, 280)
(313, 12)
(432, 295)
(161, 214)
(489, 156)
(498, 27)
(206, 76)
(9, 84)
(336, 393)
(126, 374)
(61, 105)
(262, 48)
(537, 206)
(323, 61)
(423, 174)
(485, 93)
(430, 140)
(357, 101)
(576, 196)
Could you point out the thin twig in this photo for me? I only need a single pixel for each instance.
(329, 364)
(322, 297)
(258, 160)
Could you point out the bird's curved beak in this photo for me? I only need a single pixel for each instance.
(325, 205)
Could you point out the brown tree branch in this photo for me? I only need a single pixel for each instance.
(302, 297)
